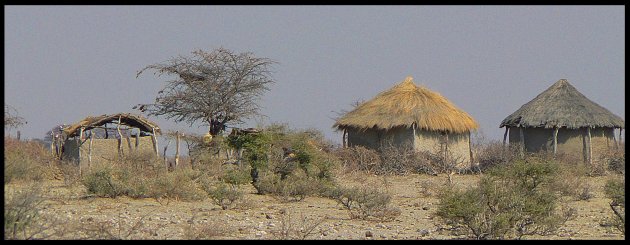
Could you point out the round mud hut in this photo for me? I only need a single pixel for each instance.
(563, 120)
(408, 115)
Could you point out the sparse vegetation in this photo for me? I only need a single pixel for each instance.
(513, 199)
(509, 202)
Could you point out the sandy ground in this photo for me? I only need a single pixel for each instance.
(265, 217)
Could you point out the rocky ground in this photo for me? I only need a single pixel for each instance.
(79, 216)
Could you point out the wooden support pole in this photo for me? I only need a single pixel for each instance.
(128, 138)
(470, 148)
(79, 146)
(590, 146)
(555, 141)
(177, 149)
(620, 135)
(615, 139)
(344, 138)
(18, 135)
(505, 135)
(120, 153)
(522, 141)
(90, 150)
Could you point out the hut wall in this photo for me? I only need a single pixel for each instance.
(432, 141)
(368, 138)
(106, 150)
(435, 141)
(570, 141)
(374, 138)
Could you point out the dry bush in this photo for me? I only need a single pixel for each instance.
(358, 158)
(366, 202)
(615, 159)
(494, 153)
(26, 160)
(23, 216)
(571, 181)
(118, 228)
(71, 173)
(295, 187)
(615, 190)
(113, 180)
(205, 230)
(297, 228)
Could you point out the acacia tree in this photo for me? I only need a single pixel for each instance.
(216, 88)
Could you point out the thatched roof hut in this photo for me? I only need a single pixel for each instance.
(409, 114)
(407, 104)
(562, 108)
(106, 137)
(562, 105)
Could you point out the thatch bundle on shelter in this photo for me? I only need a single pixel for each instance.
(410, 115)
(561, 119)
(107, 137)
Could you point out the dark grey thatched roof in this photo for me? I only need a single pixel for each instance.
(561, 105)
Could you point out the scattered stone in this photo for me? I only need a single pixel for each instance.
(268, 216)
(423, 232)
(425, 208)
(369, 234)
(382, 226)
(260, 233)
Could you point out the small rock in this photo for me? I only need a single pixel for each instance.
(425, 208)
(260, 233)
(382, 226)
(368, 234)
(424, 232)
(268, 216)
(271, 225)
(383, 236)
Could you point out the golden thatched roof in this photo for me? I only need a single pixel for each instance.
(404, 105)
(562, 105)
(125, 119)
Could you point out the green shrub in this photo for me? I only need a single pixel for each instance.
(511, 201)
(276, 172)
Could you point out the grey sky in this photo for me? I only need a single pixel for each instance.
(63, 63)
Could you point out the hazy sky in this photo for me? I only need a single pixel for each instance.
(63, 63)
